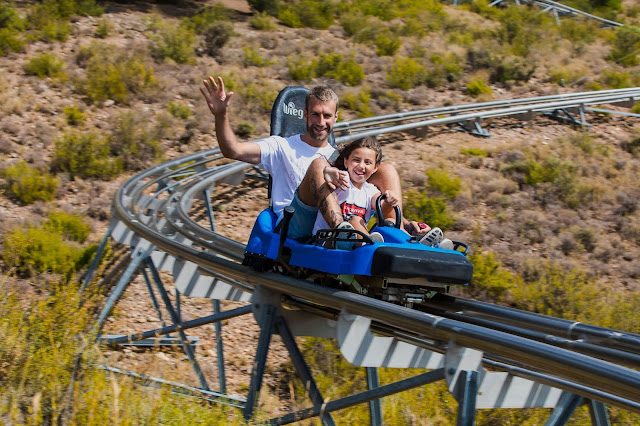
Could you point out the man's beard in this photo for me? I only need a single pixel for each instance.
(320, 137)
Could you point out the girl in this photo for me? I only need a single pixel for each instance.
(359, 160)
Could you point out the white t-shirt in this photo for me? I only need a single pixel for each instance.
(353, 202)
(287, 161)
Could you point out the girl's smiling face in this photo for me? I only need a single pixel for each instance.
(361, 164)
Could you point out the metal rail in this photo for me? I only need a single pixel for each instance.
(157, 206)
(556, 10)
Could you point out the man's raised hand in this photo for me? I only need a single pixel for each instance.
(215, 95)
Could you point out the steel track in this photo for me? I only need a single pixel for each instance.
(158, 206)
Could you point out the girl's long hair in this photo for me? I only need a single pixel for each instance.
(346, 150)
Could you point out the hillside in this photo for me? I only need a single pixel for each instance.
(547, 203)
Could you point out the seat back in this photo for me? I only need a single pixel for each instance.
(287, 116)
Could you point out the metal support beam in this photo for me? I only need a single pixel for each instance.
(209, 208)
(188, 349)
(477, 129)
(152, 295)
(222, 380)
(598, 413)
(467, 388)
(563, 114)
(181, 326)
(181, 388)
(138, 256)
(375, 408)
(302, 368)
(98, 256)
(178, 306)
(566, 406)
(359, 398)
(257, 374)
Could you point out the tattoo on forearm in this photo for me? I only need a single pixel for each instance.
(323, 206)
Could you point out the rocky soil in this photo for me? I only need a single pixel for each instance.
(489, 212)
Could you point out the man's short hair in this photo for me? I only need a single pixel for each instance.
(321, 94)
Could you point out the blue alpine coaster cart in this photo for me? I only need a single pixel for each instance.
(399, 270)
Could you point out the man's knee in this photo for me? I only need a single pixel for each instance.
(318, 164)
(311, 186)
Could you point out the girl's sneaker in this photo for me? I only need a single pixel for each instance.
(446, 244)
(433, 237)
(345, 245)
(376, 237)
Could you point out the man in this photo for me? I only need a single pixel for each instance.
(299, 165)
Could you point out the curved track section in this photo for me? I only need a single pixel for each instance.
(489, 355)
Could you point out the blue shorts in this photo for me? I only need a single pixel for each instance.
(301, 225)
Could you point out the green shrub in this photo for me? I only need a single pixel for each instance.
(354, 23)
(105, 27)
(262, 21)
(405, 74)
(74, 115)
(290, 18)
(28, 184)
(45, 65)
(580, 32)
(179, 111)
(452, 64)
(259, 97)
(207, 17)
(474, 152)
(443, 69)
(50, 368)
(358, 102)
(482, 7)
(11, 26)
(47, 25)
(38, 250)
(112, 73)
(173, 41)
(244, 129)
(636, 108)
(85, 155)
(216, 36)
(301, 69)
(420, 207)
(535, 172)
(552, 178)
(387, 43)
(617, 80)
(252, 57)
(626, 46)
(9, 16)
(333, 65)
(632, 146)
(517, 69)
(307, 13)
(10, 41)
(441, 182)
(490, 278)
(71, 226)
(584, 141)
(523, 28)
(478, 87)
(133, 141)
(567, 77)
(269, 7)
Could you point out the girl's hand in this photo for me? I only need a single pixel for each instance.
(336, 178)
(390, 198)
